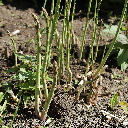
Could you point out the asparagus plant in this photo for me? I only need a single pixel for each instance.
(96, 73)
(37, 87)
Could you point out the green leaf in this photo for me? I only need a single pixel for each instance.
(114, 100)
(49, 78)
(117, 45)
(6, 85)
(30, 58)
(20, 56)
(22, 74)
(23, 70)
(124, 29)
(14, 69)
(32, 97)
(21, 77)
(112, 30)
(122, 55)
(25, 85)
(122, 38)
(26, 99)
(31, 75)
(26, 59)
(28, 85)
(116, 48)
(124, 65)
(43, 31)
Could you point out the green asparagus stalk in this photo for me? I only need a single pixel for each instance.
(51, 93)
(38, 70)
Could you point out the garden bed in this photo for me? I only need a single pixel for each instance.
(64, 110)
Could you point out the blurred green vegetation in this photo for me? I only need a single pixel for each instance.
(1, 2)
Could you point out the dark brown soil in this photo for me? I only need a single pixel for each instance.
(64, 111)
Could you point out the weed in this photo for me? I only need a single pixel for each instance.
(115, 76)
(114, 100)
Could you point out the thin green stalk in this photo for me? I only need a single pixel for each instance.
(52, 7)
(84, 36)
(68, 39)
(113, 42)
(96, 20)
(91, 58)
(51, 28)
(51, 25)
(93, 37)
(60, 56)
(68, 57)
(90, 62)
(51, 93)
(46, 55)
(85, 29)
(97, 43)
(105, 48)
(73, 13)
(61, 50)
(38, 70)
(43, 7)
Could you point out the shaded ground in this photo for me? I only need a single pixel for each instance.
(64, 110)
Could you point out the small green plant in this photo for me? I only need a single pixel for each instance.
(114, 100)
(25, 77)
(116, 75)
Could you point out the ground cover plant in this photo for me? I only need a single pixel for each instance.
(39, 78)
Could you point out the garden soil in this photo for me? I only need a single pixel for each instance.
(64, 111)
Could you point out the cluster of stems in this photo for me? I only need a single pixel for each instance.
(62, 41)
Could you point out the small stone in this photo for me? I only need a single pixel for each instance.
(125, 122)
